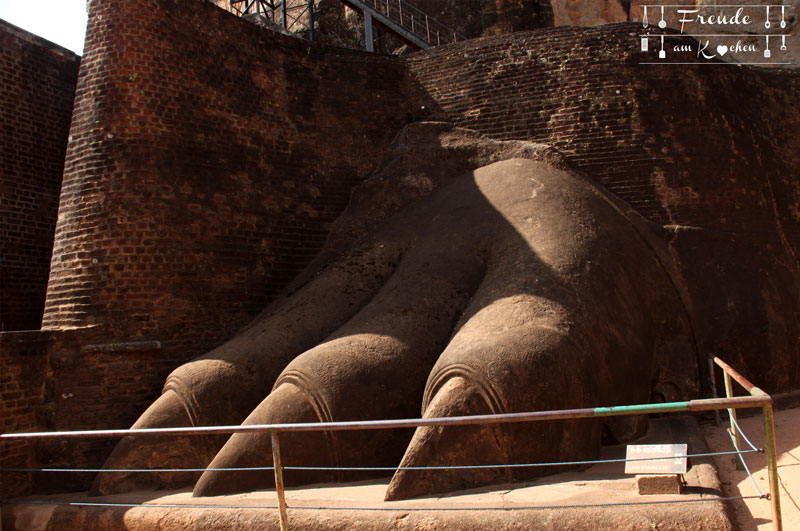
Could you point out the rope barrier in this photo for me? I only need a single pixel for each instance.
(741, 432)
(98, 470)
(517, 465)
(741, 460)
(377, 468)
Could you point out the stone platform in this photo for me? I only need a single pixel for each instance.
(601, 497)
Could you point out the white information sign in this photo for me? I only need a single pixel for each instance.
(656, 459)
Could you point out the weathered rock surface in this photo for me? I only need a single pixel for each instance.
(580, 13)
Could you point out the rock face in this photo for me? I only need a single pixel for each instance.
(580, 13)
(477, 18)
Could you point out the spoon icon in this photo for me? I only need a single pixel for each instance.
(766, 24)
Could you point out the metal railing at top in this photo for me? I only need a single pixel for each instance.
(757, 398)
(298, 15)
(415, 21)
(294, 16)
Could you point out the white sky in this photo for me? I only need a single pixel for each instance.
(60, 21)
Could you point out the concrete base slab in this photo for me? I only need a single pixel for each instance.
(601, 497)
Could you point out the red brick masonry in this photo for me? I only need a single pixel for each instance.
(37, 86)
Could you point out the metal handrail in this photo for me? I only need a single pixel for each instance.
(400, 12)
(758, 398)
(729, 374)
(415, 21)
(706, 404)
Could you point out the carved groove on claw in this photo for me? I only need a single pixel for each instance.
(460, 370)
(317, 401)
(176, 384)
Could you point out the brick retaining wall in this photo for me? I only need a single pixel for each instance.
(37, 85)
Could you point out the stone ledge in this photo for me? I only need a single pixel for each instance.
(27, 336)
(131, 346)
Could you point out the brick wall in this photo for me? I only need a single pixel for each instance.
(37, 86)
(23, 361)
(709, 154)
(59, 380)
(208, 157)
(626, 125)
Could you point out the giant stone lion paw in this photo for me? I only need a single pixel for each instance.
(468, 276)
